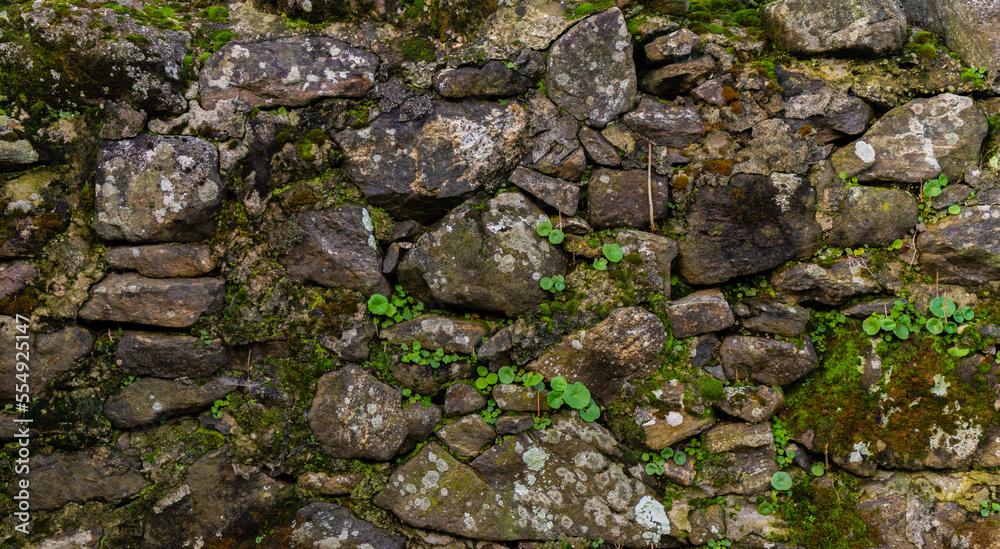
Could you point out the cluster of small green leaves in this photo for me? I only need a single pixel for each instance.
(974, 75)
(721, 543)
(575, 395)
(781, 438)
(902, 321)
(553, 284)
(413, 398)
(507, 375)
(398, 308)
(825, 323)
(545, 229)
(986, 507)
(781, 482)
(931, 189)
(218, 406)
(203, 339)
(486, 379)
(851, 181)
(542, 422)
(655, 461)
(491, 412)
(418, 355)
(612, 253)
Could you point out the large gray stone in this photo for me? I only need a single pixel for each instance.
(700, 313)
(805, 282)
(287, 71)
(766, 361)
(870, 216)
(169, 356)
(433, 332)
(101, 474)
(619, 199)
(151, 399)
(664, 124)
(591, 73)
(677, 78)
(870, 28)
(969, 28)
(963, 248)
(172, 303)
(157, 189)
(485, 259)
(751, 404)
(355, 416)
(418, 169)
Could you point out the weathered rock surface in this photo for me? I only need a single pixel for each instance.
(873, 216)
(48, 355)
(732, 436)
(969, 28)
(766, 360)
(700, 313)
(163, 261)
(286, 71)
(461, 399)
(963, 248)
(14, 277)
(420, 423)
(775, 318)
(917, 141)
(666, 125)
(604, 356)
(433, 332)
(157, 189)
(355, 416)
(150, 399)
(677, 78)
(868, 28)
(518, 398)
(808, 282)
(774, 149)
(599, 149)
(751, 404)
(506, 505)
(172, 303)
(100, 473)
(670, 427)
(467, 436)
(422, 379)
(553, 148)
(489, 259)
(591, 73)
(741, 471)
(671, 47)
(494, 79)
(338, 250)
(418, 169)
(650, 256)
(332, 485)
(168, 356)
(753, 224)
(322, 524)
(621, 198)
(560, 195)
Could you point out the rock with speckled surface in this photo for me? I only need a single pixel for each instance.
(809, 282)
(766, 361)
(963, 248)
(163, 261)
(749, 403)
(870, 216)
(171, 303)
(591, 73)
(619, 198)
(151, 399)
(869, 28)
(433, 332)
(666, 125)
(322, 524)
(700, 313)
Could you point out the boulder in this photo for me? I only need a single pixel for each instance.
(671, 47)
(591, 73)
(488, 259)
(870, 216)
(170, 356)
(419, 168)
(677, 78)
(461, 399)
(494, 79)
(121, 121)
(322, 524)
(753, 404)
(157, 189)
(294, 70)
(467, 436)
(808, 282)
(163, 261)
(619, 198)
(101, 474)
(868, 28)
(745, 471)
(700, 313)
(963, 248)
(553, 148)
(917, 141)
(560, 195)
(172, 303)
(602, 357)
(766, 361)
(664, 124)
(355, 416)
(338, 250)
(969, 28)
(707, 524)
(150, 399)
(754, 224)
(50, 355)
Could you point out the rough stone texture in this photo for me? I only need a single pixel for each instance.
(732, 436)
(649, 259)
(591, 73)
(866, 308)
(672, 47)
(355, 416)
(741, 472)
(868, 28)
(604, 356)
(157, 189)
(518, 398)
(48, 355)
(553, 147)
(766, 360)
(708, 523)
(338, 250)
(611, 504)
(969, 28)
(669, 7)
(807, 282)
(666, 125)
(331, 485)
(917, 141)
(167, 356)
(419, 168)
(172, 303)
(100, 473)
(700, 313)
(461, 399)
(874, 217)
(673, 426)
(494, 79)
(512, 425)
(322, 524)
(621, 198)
(286, 71)
(677, 78)
(150, 399)
(121, 121)
(776, 318)
(599, 149)
(489, 259)
(560, 195)
(14, 277)
(467, 436)
(963, 248)
(533, 25)
(754, 224)
(420, 424)
(434, 332)
(774, 149)
(163, 261)
(751, 404)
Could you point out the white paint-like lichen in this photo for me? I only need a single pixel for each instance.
(651, 515)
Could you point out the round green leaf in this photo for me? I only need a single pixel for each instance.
(481, 383)
(765, 508)
(556, 236)
(482, 370)
(680, 458)
(901, 331)
(871, 326)
(531, 379)
(492, 379)
(601, 264)
(817, 469)
(558, 383)
(554, 399)
(544, 228)
(613, 252)
(951, 327)
(667, 452)
(954, 209)
(651, 470)
(559, 285)
(781, 481)
(968, 313)
(591, 413)
(577, 395)
(935, 326)
(546, 283)
(378, 304)
(942, 180)
(506, 374)
(887, 324)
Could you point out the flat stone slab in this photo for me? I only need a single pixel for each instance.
(700, 313)
(100, 474)
(169, 356)
(150, 399)
(163, 261)
(171, 303)
(433, 332)
(766, 361)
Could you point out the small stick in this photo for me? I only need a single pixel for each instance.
(826, 455)
(109, 336)
(248, 363)
(649, 187)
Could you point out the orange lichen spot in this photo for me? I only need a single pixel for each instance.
(729, 94)
(736, 107)
(805, 130)
(681, 182)
(722, 166)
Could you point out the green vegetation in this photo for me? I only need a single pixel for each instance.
(418, 355)
(553, 284)
(394, 309)
(545, 229)
(417, 49)
(612, 253)
(655, 461)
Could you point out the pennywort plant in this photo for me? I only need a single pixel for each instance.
(612, 253)
(394, 308)
(545, 229)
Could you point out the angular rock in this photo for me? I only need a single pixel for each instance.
(150, 399)
(322, 524)
(49, 355)
(869, 28)
(744, 472)
(553, 148)
(289, 71)
(338, 251)
(461, 399)
(713, 91)
(751, 404)
(700, 313)
(157, 189)
(677, 78)
(866, 308)
(467, 436)
(101, 474)
(16, 154)
(751, 225)
(533, 25)
(172, 303)
(518, 398)
(355, 416)
(708, 523)
(776, 318)
(604, 356)
(807, 282)
(512, 425)
(591, 73)
(963, 248)
(331, 485)
(745, 113)
(766, 361)
(649, 257)
(434, 332)
(773, 148)
(560, 195)
(667, 428)
(732, 436)
(672, 47)
(599, 149)
(874, 217)
(121, 121)
(621, 198)
(167, 356)
(666, 125)
(917, 141)
(227, 120)
(14, 277)
(494, 79)
(489, 259)
(420, 424)
(163, 261)
(424, 380)
(611, 504)
(969, 28)
(418, 169)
